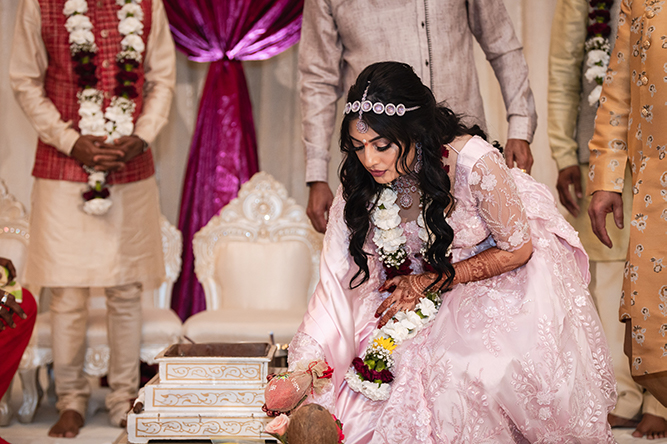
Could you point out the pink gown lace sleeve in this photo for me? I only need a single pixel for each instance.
(498, 202)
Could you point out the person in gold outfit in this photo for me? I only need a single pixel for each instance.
(630, 129)
(578, 57)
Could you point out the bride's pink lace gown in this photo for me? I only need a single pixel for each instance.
(520, 357)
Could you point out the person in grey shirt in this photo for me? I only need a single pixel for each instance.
(341, 37)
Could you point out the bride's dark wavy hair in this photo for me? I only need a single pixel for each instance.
(433, 126)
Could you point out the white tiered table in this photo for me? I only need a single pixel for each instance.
(205, 392)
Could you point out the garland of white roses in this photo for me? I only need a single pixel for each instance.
(116, 121)
(403, 326)
(390, 240)
(388, 235)
(598, 52)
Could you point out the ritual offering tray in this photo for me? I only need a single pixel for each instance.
(205, 391)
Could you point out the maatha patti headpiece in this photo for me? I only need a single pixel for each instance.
(365, 106)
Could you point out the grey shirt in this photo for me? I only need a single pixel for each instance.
(339, 38)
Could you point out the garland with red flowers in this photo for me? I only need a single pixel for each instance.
(600, 16)
(117, 120)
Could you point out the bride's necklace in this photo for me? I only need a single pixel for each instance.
(404, 187)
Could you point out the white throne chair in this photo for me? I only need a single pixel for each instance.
(258, 261)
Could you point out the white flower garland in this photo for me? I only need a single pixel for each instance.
(388, 235)
(403, 326)
(598, 51)
(116, 121)
(390, 241)
(597, 48)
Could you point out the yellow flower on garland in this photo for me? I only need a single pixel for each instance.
(386, 343)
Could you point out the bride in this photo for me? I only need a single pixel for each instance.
(453, 303)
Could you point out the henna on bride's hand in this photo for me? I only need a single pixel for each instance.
(405, 296)
(491, 262)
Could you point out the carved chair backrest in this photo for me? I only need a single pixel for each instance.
(172, 247)
(260, 252)
(14, 230)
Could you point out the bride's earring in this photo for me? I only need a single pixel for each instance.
(418, 163)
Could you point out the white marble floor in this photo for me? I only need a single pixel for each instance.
(98, 430)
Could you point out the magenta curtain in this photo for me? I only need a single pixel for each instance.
(223, 154)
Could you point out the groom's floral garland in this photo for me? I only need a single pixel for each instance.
(116, 121)
(597, 47)
(371, 374)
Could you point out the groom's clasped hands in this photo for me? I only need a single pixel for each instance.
(96, 152)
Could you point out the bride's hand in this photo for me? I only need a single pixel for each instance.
(408, 290)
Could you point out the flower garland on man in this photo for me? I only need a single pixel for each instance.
(116, 121)
(96, 80)
(597, 47)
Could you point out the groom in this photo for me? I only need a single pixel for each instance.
(109, 50)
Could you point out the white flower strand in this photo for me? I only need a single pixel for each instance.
(97, 207)
(388, 236)
(390, 241)
(403, 326)
(117, 120)
(371, 390)
(598, 51)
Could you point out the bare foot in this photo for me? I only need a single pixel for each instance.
(620, 422)
(68, 425)
(651, 426)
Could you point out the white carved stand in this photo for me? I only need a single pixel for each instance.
(195, 396)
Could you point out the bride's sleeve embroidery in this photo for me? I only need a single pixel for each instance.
(498, 202)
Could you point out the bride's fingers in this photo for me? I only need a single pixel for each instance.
(385, 305)
(388, 315)
(393, 282)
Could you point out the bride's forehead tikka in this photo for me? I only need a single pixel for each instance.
(365, 106)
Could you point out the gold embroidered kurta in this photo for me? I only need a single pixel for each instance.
(630, 127)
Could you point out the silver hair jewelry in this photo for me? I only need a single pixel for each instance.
(3, 301)
(362, 126)
(365, 106)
